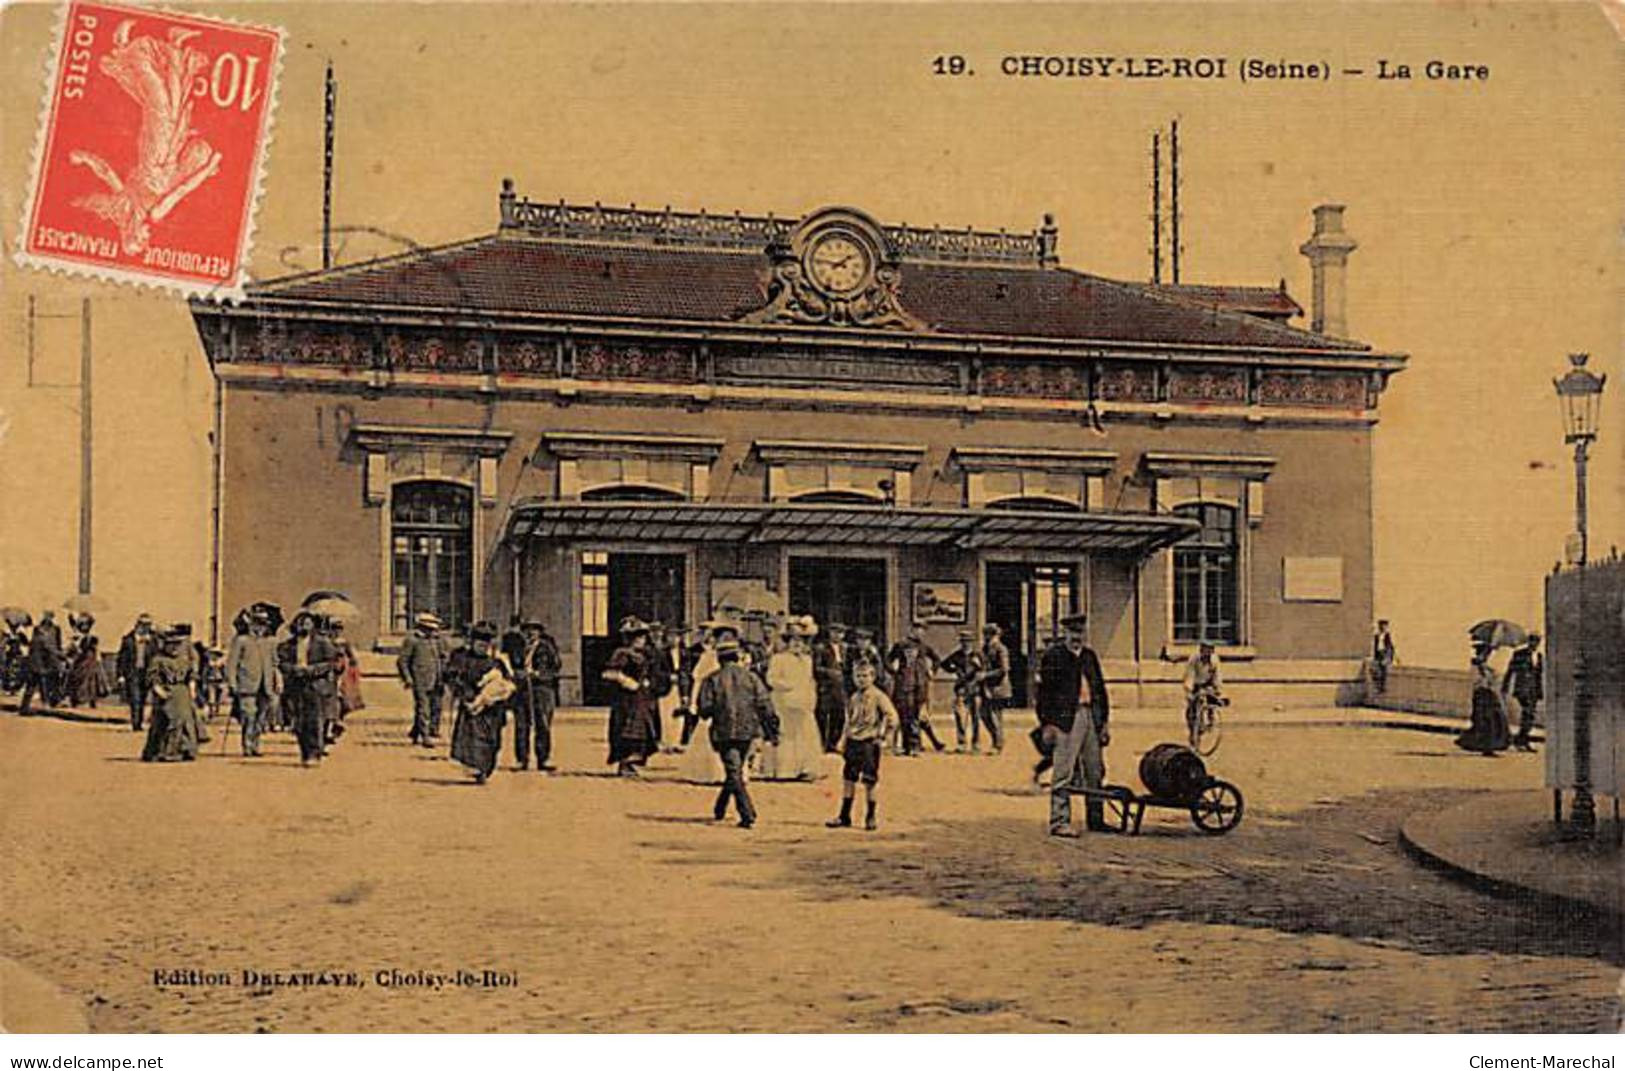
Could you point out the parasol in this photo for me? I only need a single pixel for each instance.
(1498, 632)
(16, 616)
(333, 604)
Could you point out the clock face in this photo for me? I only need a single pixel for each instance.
(838, 264)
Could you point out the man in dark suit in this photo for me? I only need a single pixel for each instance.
(422, 667)
(1073, 711)
(138, 648)
(309, 663)
(44, 664)
(536, 669)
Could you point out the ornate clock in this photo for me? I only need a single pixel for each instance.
(838, 263)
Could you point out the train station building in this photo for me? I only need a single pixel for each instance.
(592, 412)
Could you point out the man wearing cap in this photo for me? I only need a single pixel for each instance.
(422, 666)
(965, 663)
(309, 664)
(912, 666)
(740, 710)
(1523, 682)
(251, 674)
(829, 676)
(135, 654)
(536, 668)
(996, 689)
(634, 713)
(1073, 711)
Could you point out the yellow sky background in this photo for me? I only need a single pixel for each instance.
(1488, 217)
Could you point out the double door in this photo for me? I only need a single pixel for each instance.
(1027, 602)
(616, 586)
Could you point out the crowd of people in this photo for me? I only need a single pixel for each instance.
(777, 695)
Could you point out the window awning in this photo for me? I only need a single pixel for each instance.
(1126, 534)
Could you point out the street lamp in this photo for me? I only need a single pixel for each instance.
(1579, 392)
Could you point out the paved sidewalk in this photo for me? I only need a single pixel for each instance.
(1504, 843)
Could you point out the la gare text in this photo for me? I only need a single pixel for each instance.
(1213, 68)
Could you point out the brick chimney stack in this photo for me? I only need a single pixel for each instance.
(1328, 251)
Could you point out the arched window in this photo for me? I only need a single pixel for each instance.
(431, 541)
(1041, 503)
(837, 498)
(631, 492)
(1207, 577)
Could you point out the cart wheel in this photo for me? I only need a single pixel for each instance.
(1217, 808)
(1119, 804)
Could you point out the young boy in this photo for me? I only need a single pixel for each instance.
(871, 720)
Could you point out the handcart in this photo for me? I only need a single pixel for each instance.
(1176, 778)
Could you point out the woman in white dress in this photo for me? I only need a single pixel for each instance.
(798, 755)
(700, 762)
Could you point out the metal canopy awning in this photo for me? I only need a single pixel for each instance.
(1128, 534)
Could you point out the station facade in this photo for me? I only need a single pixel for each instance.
(595, 412)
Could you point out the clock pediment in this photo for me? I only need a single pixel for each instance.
(837, 268)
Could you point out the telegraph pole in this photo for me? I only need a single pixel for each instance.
(86, 452)
(330, 106)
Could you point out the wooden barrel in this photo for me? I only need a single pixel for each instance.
(1173, 771)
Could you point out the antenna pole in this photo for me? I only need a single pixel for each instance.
(1156, 207)
(86, 451)
(1173, 193)
(330, 104)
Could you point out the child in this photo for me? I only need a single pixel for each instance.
(871, 719)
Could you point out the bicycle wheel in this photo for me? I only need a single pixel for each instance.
(1205, 740)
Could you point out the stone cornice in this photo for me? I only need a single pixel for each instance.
(1038, 458)
(1165, 464)
(801, 451)
(580, 444)
(486, 442)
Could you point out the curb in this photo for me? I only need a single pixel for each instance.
(1503, 889)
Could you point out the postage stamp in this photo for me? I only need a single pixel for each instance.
(151, 146)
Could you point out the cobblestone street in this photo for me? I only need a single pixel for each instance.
(620, 906)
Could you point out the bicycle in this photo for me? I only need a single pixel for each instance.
(1202, 721)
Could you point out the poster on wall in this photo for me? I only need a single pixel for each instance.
(940, 602)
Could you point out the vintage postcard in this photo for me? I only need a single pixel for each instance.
(813, 518)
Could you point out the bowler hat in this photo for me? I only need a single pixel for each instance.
(532, 625)
(1075, 622)
(483, 630)
(633, 625)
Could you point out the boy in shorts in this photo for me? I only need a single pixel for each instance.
(871, 720)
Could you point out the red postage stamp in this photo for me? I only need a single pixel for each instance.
(151, 146)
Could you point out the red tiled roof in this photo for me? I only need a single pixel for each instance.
(501, 273)
(1269, 301)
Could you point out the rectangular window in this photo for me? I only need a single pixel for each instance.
(1207, 578)
(594, 593)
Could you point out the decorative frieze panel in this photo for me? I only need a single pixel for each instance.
(1127, 383)
(527, 358)
(1035, 379)
(433, 353)
(659, 364)
(835, 368)
(1207, 386)
(1333, 391)
(276, 342)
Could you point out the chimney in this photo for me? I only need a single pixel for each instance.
(1328, 251)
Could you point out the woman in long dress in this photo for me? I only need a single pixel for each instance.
(172, 735)
(701, 764)
(482, 683)
(797, 755)
(1488, 732)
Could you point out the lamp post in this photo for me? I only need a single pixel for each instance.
(1579, 392)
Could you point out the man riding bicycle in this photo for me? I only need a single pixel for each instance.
(1202, 687)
